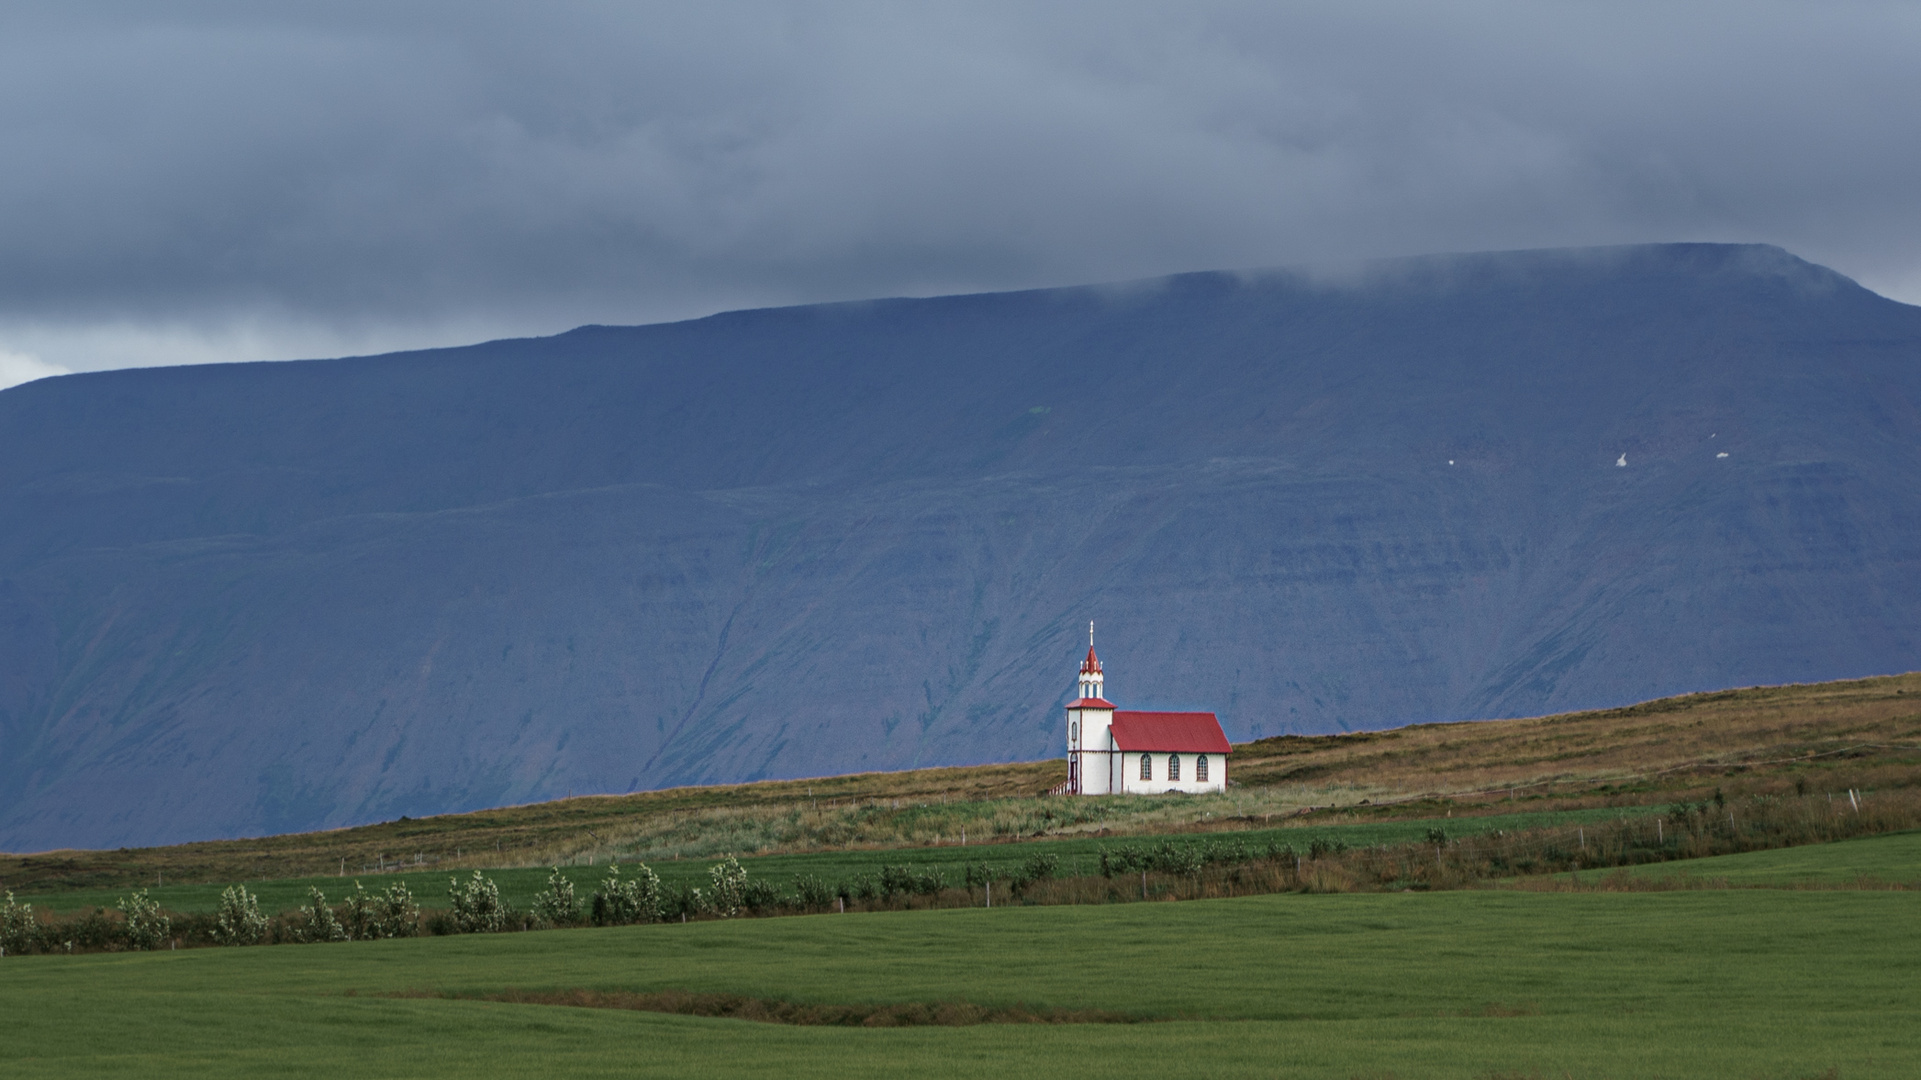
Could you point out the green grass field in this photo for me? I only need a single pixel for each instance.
(1080, 855)
(1893, 859)
(1471, 984)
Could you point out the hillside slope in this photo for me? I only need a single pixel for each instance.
(1772, 740)
(262, 598)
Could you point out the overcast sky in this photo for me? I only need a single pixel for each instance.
(198, 182)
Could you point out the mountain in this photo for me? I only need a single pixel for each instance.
(269, 597)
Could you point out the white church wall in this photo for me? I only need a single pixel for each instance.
(1160, 784)
(1091, 732)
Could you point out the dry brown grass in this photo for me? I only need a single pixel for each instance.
(1823, 737)
(1868, 730)
(534, 834)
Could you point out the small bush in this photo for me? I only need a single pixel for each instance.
(1182, 859)
(1041, 867)
(1321, 846)
(619, 903)
(92, 930)
(238, 921)
(1125, 859)
(372, 916)
(898, 880)
(812, 892)
(478, 908)
(1216, 853)
(760, 896)
(321, 924)
(729, 892)
(399, 914)
(146, 929)
(19, 932)
(683, 903)
(557, 906)
(360, 914)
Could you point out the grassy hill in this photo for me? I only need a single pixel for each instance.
(1825, 737)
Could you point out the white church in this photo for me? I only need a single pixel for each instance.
(1121, 752)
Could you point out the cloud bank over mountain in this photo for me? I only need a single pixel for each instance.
(229, 181)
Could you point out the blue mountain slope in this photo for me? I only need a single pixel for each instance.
(255, 598)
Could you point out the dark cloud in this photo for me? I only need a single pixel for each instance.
(232, 180)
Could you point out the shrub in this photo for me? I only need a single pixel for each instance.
(360, 914)
(683, 902)
(1037, 868)
(894, 881)
(19, 932)
(146, 929)
(1176, 859)
(1125, 859)
(321, 922)
(478, 908)
(979, 874)
(1437, 836)
(812, 891)
(729, 890)
(905, 880)
(371, 916)
(399, 914)
(1215, 853)
(1322, 845)
(92, 930)
(239, 922)
(557, 906)
(760, 896)
(618, 903)
(1280, 852)
(1041, 867)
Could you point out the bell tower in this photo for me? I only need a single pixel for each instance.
(1091, 760)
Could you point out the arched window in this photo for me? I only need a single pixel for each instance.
(1200, 768)
(1147, 766)
(1073, 731)
(1173, 766)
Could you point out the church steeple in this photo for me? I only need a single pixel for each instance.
(1092, 683)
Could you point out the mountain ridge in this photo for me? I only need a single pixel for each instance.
(803, 540)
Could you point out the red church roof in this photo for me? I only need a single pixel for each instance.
(1090, 703)
(1183, 732)
(1091, 665)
